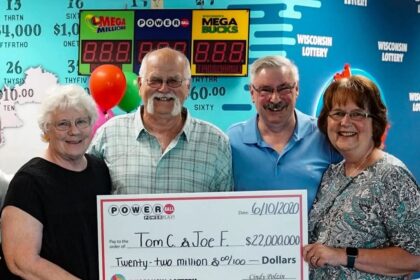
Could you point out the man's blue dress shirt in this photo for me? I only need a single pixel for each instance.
(257, 166)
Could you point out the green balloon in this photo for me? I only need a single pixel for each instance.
(131, 99)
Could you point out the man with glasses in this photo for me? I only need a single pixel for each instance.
(280, 147)
(160, 148)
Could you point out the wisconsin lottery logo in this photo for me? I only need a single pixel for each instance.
(155, 211)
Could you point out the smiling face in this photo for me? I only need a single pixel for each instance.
(166, 68)
(350, 137)
(71, 144)
(278, 107)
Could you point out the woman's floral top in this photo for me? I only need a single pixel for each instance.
(378, 208)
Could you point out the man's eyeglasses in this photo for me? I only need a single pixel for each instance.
(266, 91)
(357, 115)
(65, 125)
(157, 82)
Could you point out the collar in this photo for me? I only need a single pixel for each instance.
(139, 125)
(304, 126)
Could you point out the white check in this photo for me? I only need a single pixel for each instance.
(203, 236)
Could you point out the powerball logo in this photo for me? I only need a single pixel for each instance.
(155, 211)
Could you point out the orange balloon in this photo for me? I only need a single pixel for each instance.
(107, 86)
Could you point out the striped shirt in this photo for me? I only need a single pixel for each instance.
(198, 160)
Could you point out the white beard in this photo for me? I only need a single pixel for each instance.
(176, 110)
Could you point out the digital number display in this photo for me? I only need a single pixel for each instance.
(215, 41)
(106, 51)
(219, 56)
(146, 46)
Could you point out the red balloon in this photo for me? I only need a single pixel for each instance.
(107, 86)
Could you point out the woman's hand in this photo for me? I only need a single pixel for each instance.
(319, 255)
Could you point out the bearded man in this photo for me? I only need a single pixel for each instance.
(160, 148)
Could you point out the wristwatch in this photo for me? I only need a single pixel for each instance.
(352, 254)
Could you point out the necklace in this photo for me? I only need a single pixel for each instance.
(361, 166)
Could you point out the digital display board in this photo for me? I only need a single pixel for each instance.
(217, 56)
(215, 41)
(106, 51)
(220, 42)
(143, 47)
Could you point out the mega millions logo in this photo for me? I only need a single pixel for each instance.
(219, 24)
(101, 24)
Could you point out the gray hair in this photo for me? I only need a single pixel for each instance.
(274, 62)
(63, 97)
(168, 51)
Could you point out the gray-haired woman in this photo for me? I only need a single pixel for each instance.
(49, 226)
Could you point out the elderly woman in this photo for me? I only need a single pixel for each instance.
(49, 227)
(365, 222)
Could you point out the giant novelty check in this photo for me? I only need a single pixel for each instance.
(203, 236)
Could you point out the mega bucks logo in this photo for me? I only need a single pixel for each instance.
(219, 24)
